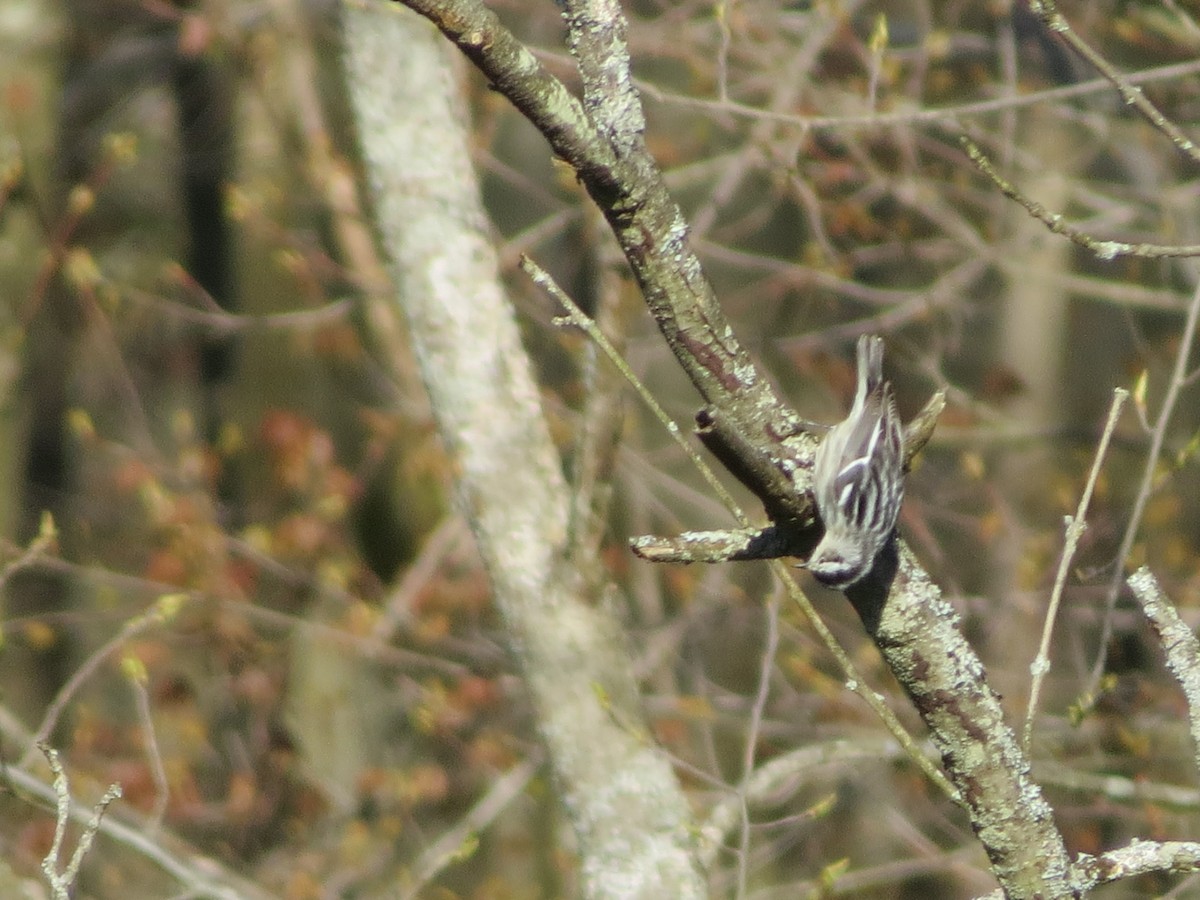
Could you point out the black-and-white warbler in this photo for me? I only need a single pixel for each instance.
(858, 477)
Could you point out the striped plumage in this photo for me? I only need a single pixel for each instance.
(858, 479)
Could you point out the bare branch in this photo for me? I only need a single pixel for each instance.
(458, 840)
(1141, 858)
(625, 182)
(577, 317)
(61, 881)
(1103, 249)
(1047, 12)
(718, 546)
(160, 612)
(1157, 436)
(919, 636)
(1178, 641)
(1075, 527)
(902, 610)
(946, 116)
(200, 877)
(624, 804)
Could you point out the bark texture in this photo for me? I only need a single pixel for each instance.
(627, 810)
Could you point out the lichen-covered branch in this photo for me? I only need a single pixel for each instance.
(758, 437)
(630, 818)
(618, 172)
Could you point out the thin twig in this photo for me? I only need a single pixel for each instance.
(749, 753)
(459, 842)
(577, 317)
(399, 603)
(602, 414)
(721, 13)
(937, 115)
(39, 548)
(61, 881)
(158, 773)
(1139, 858)
(1178, 642)
(1075, 526)
(1103, 249)
(1157, 437)
(777, 777)
(727, 545)
(219, 322)
(199, 876)
(1117, 788)
(1184, 18)
(1047, 12)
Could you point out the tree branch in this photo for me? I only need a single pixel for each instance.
(914, 629)
(612, 163)
(629, 816)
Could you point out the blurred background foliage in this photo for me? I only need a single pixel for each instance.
(205, 394)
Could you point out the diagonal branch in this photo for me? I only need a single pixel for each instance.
(915, 630)
(627, 811)
(613, 164)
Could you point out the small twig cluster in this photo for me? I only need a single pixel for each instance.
(62, 878)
